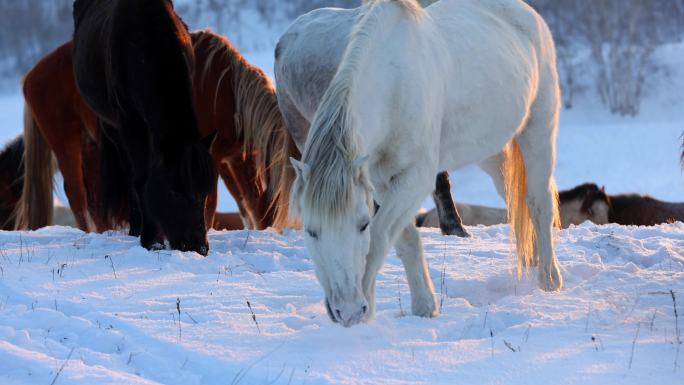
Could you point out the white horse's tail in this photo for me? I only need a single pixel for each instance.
(519, 218)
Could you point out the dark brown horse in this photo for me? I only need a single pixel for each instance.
(627, 209)
(133, 65)
(231, 97)
(11, 174)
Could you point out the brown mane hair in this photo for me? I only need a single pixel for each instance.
(242, 103)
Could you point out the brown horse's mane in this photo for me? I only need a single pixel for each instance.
(258, 119)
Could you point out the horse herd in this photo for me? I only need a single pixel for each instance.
(371, 103)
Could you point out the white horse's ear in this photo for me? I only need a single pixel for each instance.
(302, 169)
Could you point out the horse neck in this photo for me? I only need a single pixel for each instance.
(333, 130)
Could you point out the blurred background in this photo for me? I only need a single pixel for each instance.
(621, 64)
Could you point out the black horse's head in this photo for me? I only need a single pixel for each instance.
(176, 194)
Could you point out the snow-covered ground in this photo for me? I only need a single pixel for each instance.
(99, 309)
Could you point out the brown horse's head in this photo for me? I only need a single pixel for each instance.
(586, 202)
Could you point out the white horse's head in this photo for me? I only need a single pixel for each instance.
(336, 206)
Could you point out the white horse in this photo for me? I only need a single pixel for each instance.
(419, 91)
(306, 59)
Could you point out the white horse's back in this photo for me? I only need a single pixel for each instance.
(499, 47)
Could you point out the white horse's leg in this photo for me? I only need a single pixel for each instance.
(493, 166)
(410, 251)
(399, 203)
(537, 144)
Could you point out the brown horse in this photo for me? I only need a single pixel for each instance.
(253, 147)
(629, 209)
(57, 120)
(231, 97)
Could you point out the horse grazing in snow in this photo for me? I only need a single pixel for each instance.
(133, 65)
(418, 91)
(232, 97)
(624, 209)
(307, 57)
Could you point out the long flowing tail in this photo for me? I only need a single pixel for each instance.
(35, 208)
(519, 218)
(515, 178)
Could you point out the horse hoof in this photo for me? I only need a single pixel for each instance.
(457, 231)
(426, 308)
(550, 279)
(156, 246)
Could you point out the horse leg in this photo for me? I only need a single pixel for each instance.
(493, 166)
(70, 162)
(133, 135)
(538, 151)
(254, 195)
(410, 251)
(397, 207)
(210, 205)
(449, 220)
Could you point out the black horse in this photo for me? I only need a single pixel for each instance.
(11, 181)
(133, 61)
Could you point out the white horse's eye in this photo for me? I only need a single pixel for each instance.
(312, 234)
(364, 227)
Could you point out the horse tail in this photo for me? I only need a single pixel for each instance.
(515, 179)
(519, 218)
(114, 183)
(35, 208)
(283, 176)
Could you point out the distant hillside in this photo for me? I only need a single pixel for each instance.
(605, 47)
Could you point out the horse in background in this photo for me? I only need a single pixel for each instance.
(626, 209)
(578, 205)
(133, 65)
(11, 176)
(390, 120)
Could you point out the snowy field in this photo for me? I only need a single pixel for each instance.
(99, 309)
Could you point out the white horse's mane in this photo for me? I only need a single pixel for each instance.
(332, 145)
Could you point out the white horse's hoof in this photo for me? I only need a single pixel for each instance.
(425, 307)
(550, 278)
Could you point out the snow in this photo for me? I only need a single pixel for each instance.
(111, 307)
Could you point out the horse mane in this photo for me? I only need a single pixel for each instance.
(258, 119)
(332, 145)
